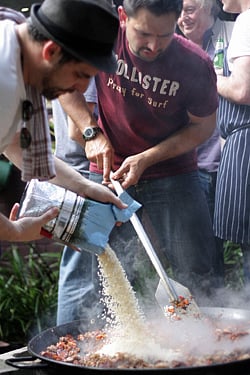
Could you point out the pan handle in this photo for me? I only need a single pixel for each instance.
(25, 362)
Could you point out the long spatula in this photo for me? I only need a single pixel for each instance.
(174, 299)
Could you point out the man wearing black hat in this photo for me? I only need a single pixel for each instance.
(57, 50)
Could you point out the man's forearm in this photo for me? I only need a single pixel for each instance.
(236, 87)
(68, 178)
(182, 141)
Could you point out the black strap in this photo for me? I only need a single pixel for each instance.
(246, 126)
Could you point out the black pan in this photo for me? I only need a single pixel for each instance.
(50, 336)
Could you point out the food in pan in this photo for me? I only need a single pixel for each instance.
(129, 340)
(75, 351)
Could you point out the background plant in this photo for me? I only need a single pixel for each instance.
(233, 260)
(28, 293)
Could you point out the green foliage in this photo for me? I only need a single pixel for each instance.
(28, 293)
(233, 260)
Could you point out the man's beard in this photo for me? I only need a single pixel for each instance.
(140, 53)
(51, 93)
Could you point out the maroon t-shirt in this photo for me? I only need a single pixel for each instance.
(143, 103)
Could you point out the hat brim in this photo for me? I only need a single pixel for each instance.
(103, 63)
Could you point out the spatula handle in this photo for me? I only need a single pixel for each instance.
(153, 257)
(149, 248)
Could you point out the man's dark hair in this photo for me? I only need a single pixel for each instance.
(157, 7)
(37, 36)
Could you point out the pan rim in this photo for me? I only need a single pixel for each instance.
(194, 369)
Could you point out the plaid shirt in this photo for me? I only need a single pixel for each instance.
(38, 161)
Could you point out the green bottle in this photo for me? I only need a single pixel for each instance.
(219, 56)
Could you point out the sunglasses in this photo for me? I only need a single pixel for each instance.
(27, 113)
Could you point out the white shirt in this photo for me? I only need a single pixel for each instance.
(12, 89)
(240, 41)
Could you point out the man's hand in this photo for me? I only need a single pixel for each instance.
(131, 170)
(100, 151)
(101, 193)
(26, 228)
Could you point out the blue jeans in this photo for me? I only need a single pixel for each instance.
(77, 287)
(176, 218)
(208, 184)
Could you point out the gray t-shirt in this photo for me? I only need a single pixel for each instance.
(66, 149)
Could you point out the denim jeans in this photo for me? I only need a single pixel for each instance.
(176, 218)
(208, 184)
(77, 287)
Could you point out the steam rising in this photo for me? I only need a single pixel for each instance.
(158, 338)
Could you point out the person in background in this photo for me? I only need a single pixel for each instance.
(37, 62)
(232, 199)
(75, 301)
(200, 23)
(153, 113)
(67, 149)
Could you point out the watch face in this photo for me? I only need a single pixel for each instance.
(89, 132)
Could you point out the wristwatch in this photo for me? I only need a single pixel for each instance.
(90, 132)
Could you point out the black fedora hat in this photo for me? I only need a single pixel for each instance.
(86, 29)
